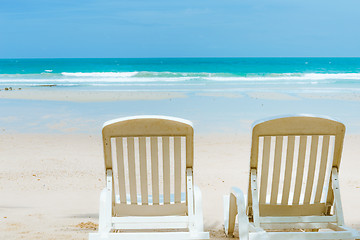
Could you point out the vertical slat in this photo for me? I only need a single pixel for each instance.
(177, 170)
(120, 169)
(265, 168)
(288, 169)
(322, 170)
(300, 169)
(276, 172)
(330, 192)
(336, 189)
(166, 169)
(143, 170)
(330, 197)
(154, 170)
(338, 146)
(189, 151)
(254, 191)
(132, 174)
(312, 165)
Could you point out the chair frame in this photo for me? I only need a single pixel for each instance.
(146, 219)
(252, 224)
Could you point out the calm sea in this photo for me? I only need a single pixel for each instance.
(184, 74)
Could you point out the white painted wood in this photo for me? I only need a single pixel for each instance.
(177, 166)
(234, 204)
(147, 126)
(105, 213)
(255, 201)
(131, 166)
(166, 169)
(124, 210)
(121, 169)
(300, 169)
(198, 210)
(143, 171)
(139, 117)
(311, 171)
(229, 214)
(322, 170)
(276, 172)
(288, 170)
(294, 226)
(292, 210)
(303, 219)
(336, 189)
(309, 235)
(163, 222)
(182, 220)
(297, 220)
(154, 170)
(242, 218)
(150, 236)
(106, 204)
(190, 199)
(265, 169)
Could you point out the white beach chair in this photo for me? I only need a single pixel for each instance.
(143, 155)
(293, 188)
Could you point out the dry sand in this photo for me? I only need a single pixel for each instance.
(50, 184)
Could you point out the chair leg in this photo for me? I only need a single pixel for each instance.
(234, 204)
(199, 220)
(103, 221)
(230, 212)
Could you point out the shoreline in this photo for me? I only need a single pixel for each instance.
(70, 111)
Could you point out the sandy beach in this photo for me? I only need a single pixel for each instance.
(50, 183)
(51, 161)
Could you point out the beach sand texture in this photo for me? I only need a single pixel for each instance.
(50, 183)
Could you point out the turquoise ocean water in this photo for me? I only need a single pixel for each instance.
(219, 94)
(183, 74)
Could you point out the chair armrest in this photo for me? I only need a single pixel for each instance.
(234, 204)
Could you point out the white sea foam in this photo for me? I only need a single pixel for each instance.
(93, 80)
(292, 76)
(170, 76)
(166, 78)
(99, 74)
(321, 76)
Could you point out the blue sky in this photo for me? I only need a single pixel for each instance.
(186, 28)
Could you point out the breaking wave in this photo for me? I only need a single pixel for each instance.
(94, 78)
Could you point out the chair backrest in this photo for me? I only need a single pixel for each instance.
(148, 156)
(293, 158)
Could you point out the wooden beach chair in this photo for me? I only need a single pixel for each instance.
(150, 193)
(293, 188)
